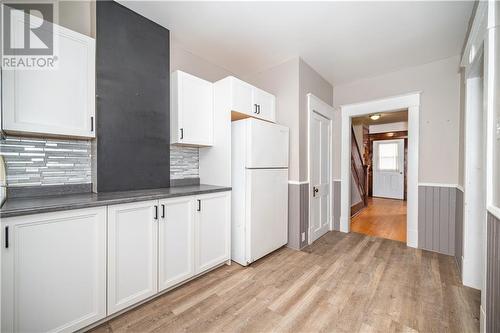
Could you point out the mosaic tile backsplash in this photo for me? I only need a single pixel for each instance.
(38, 161)
(184, 162)
(33, 161)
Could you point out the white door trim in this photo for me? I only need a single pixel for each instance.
(315, 104)
(409, 101)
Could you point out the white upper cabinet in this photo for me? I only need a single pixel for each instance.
(59, 101)
(53, 271)
(265, 103)
(249, 101)
(191, 112)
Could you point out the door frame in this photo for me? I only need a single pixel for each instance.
(396, 140)
(410, 101)
(315, 104)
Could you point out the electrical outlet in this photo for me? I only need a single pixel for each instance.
(303, 236)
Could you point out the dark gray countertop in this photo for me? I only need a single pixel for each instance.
(35, 205)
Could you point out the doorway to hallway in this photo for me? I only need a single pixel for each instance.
(380, 145)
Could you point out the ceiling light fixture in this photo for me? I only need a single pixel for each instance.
(375, 116)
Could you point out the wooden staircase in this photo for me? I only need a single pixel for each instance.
(359, 173)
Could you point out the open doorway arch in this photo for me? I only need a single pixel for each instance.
(391, 104)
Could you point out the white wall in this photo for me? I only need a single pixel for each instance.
(312, 82)
(78, 16)
(439, 83)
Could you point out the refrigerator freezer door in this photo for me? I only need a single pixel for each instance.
(267, 145)
(266, 211)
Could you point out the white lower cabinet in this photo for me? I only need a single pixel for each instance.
(66, 270)
(213, 230)
(53, 271)
(175, 242)
(132, 253)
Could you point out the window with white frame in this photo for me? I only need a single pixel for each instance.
(388, 156)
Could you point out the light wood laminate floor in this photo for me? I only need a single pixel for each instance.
(384, 218)
(342, 283)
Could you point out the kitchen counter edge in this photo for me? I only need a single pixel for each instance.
(37, 205)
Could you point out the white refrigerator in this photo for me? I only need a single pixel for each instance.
(259, 151)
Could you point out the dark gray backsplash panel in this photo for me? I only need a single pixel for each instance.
(493, 275)
(436, 218)
(459, 228)
(132, 87)
(336, 204)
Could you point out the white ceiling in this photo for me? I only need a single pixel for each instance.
(343, 41)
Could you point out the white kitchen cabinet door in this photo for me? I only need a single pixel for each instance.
(176, 242)
(241, 97)
(59, 101)
(265, 103)
(132, 253)
(54, 271)
(213, 230)
(191, 112)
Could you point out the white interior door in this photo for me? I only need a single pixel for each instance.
(320, 176)
(388, 169)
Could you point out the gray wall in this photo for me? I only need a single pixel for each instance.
(437, 208)
(459, 229)
(298, 215)
(493, 275)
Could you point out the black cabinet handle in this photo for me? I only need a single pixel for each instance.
(7, 237)
(199, 205)
(162, 211)
(91, 124)
(156, 212)
(182, 133)
(256, 109)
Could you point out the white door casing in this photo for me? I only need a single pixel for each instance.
(319, 167)
(391, 104)
(388, 169)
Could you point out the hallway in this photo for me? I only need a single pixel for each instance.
(385, 218)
